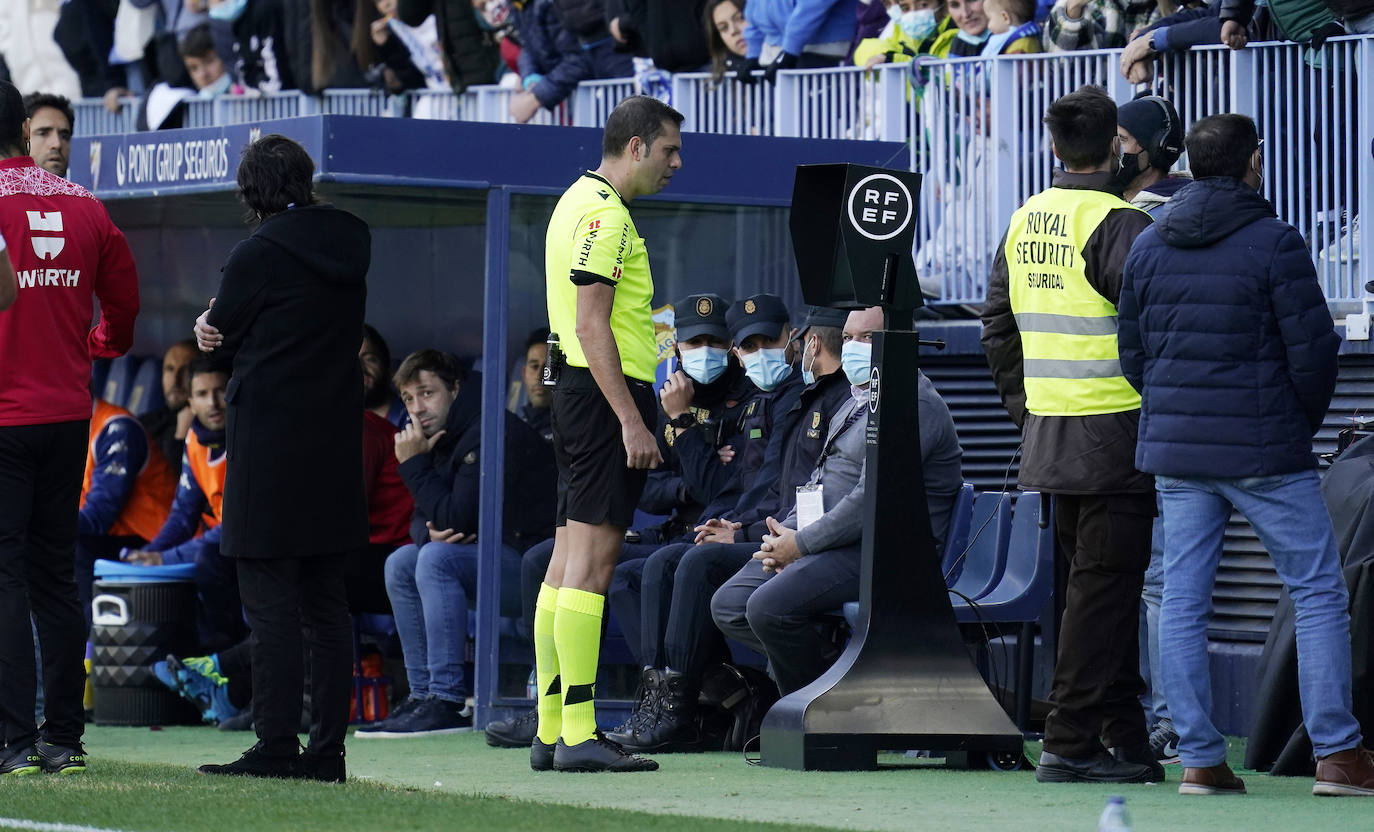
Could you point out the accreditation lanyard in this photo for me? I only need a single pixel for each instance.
(811, 497)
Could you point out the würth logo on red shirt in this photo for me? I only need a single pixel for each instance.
(47, 248)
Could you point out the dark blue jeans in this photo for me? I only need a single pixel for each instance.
(431, 588)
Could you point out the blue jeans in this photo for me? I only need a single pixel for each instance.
(1154, 702)
(1290, 518)
(431, 588)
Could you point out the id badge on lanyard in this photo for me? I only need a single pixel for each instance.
(810, 504)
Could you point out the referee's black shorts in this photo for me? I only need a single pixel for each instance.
(594, 484)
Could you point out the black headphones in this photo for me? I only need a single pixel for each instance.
(1168, 140)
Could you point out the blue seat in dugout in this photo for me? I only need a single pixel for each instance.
(978, 568)
(964, 517)
(1023, 592)
(1028, 580)
(145, 390)
(960, 522)
(119, 380)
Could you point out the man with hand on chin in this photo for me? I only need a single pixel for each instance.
(809, 562)
(432, 582)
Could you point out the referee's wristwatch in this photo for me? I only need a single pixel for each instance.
(684, 421)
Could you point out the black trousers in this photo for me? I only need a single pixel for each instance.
(1097, 684)
(236, 662)
(40, 495)
(298, 608)
(691, 640)
(780, 614)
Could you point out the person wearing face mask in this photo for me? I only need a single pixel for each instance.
(1149, 185)
(1231, 402)
(808, 564)
(1049, 332)
(914, 27)
(1151, 135)
(705, 398)
(670, 603)
(970, 33)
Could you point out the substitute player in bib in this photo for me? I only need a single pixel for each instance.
(599, 296)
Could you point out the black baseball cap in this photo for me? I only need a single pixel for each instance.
(822, 316)
(762, 314)
(697, 315)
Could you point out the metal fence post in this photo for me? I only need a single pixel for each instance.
(1365, 200)
(1245, 92)
(487, 658)
(786, 104)
(685, 101)
(1009, 142)
(892, 96)
(581, 104)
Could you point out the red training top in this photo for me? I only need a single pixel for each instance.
(389, 504)
(64, 249)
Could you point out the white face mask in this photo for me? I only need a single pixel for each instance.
(808, 373)
(918, 24)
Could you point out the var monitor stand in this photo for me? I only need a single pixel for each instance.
(905, 680)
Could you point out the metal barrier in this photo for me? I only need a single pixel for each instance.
(593, 101)
(843, 103)
(92, 119)
(984, 149)
(974, 128)
(731, 106)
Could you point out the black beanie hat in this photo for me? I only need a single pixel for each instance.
(1147, 119)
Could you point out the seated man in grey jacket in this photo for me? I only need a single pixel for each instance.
(809, 565)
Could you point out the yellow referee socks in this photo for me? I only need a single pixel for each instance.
(550, 701)
(577, 632)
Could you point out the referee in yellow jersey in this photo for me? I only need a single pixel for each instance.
(600, 293)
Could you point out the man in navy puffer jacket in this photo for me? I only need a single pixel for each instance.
(1225, 332)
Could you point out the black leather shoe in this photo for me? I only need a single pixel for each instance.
(598, 754)
(326, 768)
(541, 755)
(254, 763)
(19, 760)
(1100, 768)
(1145, 756)
(517, 732)
(61, 759)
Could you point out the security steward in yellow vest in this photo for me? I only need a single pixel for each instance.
(1049, 331)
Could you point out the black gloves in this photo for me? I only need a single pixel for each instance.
(784, 61)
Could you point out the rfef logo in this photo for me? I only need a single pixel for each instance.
(880, 206)
(47, 248)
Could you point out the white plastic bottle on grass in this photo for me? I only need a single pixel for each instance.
(1114, 817)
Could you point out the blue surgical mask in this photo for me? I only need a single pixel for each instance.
(894, 13)
(856, 358)
(808, 375)
(919, 24)
(767, 367)
(218, 88)
(705, 364)
(975, 40)
(228, 11)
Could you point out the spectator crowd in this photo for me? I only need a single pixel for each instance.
(166, 52)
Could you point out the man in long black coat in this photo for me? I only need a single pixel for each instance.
(290, 312)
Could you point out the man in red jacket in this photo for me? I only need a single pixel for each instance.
(65, 250)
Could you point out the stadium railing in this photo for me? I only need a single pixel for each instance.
(974, 129)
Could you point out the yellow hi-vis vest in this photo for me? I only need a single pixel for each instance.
(1068, 330)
